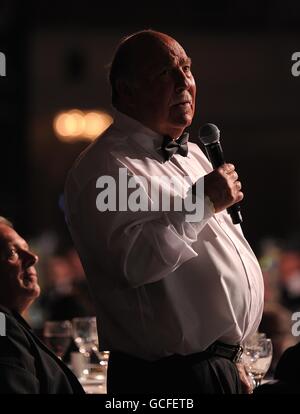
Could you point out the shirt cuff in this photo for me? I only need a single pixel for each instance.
(209, 208)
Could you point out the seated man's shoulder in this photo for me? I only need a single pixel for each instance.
(14, 343)
(17, 363)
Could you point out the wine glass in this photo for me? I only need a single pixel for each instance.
(85, 333)
(257, 357)
(57, 336)
(85, 336)
(103, 356)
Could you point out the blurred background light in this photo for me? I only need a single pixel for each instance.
(76, 125)
(96, 123)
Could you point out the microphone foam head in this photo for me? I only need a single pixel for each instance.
(209, 134)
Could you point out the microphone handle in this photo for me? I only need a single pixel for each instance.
(216, 156)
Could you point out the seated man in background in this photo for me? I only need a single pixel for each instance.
(27, 366)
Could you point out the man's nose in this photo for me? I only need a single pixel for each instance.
(29, 259)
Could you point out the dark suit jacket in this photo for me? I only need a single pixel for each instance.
(27, 366)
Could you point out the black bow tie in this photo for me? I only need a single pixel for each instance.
(171, 147)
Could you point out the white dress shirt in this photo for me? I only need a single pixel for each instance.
(161, 285)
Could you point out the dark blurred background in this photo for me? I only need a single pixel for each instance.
(57, 54)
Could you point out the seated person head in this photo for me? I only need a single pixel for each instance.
(18, 276)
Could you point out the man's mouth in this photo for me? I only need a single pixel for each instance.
(182, 104)
(29, 278)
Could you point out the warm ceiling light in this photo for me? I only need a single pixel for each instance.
(74, 125)
(96, 123)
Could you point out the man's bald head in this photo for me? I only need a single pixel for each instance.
(152, 82)
(132, 54)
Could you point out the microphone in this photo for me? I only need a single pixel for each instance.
(209, 135)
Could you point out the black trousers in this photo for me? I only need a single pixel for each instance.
(197, 374)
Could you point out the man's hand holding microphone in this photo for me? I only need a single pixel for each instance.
(222, 187)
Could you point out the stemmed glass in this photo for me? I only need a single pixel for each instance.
(103, 356)
(257, 356)
(85, 335)
(57, 336)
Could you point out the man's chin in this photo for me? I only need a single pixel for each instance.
(183, 121)
(33, 290)
(36, 291)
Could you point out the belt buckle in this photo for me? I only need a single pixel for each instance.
(238, 354)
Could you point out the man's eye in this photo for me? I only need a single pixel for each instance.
(187, 68)
(12, 254)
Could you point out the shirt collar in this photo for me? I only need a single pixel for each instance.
(150, 140)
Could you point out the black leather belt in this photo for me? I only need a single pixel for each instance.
(232, 352)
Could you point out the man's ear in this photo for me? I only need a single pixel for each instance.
(125, 91)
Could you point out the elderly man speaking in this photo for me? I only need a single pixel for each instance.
(175, 298)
